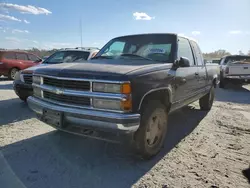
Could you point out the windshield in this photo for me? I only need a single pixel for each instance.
(237, 59)
(153, 47)
(67, 56)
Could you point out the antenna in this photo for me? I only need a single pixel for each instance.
(81, 30)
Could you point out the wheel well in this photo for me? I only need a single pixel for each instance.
(14, 68)
(161, 95)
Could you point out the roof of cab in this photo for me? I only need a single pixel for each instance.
(175, 34)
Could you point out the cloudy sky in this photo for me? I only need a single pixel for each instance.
(47, 24)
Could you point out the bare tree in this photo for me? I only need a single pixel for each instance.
(216, 54)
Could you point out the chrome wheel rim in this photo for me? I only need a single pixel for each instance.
(155, 128)
(13, 73)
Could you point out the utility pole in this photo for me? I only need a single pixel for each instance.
(81, 30)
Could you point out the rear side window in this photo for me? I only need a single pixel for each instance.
(235, 59)
(198, 53)
(33, 57)
(9, 55)
(184, 50)
(22, 56)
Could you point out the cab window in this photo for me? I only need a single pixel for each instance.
(198, 54)
(184, 50)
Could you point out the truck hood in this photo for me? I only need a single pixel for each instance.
(101, 69)
(30, 70)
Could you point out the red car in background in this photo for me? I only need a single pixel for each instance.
(13, 61)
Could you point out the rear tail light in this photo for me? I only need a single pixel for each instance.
(227, 70)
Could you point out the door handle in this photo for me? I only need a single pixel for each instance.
(196, 74)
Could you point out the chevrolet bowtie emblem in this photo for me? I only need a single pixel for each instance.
(58, 91)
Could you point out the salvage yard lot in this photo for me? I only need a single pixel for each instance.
(201, 150)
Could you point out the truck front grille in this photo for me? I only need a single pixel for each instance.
(67, 84)
(73, 100)
(27, 79)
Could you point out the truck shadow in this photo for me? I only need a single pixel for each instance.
(59, 159)
(14, 110)
(233, 93)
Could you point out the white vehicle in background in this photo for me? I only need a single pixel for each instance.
(89, 51)
(234, 69)
(216, 61)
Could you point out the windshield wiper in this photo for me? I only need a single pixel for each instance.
(135, 55)
(102, 57)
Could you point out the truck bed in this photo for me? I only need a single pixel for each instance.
(239, 69)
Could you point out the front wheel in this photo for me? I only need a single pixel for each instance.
(206, 102)
(151, 134)
(23, 98)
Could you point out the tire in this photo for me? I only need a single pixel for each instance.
(12, 73)
(222, 81)
(206, 102)
(149, 139)
(23, 98)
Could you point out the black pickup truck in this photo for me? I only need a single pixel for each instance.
(129, 88)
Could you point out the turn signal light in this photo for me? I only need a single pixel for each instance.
(126, 88)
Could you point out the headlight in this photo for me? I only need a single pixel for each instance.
(125, 105)
(106, 104)
(112, 88)
(36, 79)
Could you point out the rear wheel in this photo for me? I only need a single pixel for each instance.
(206, 102)
(12, 73)
(151, 134)
(222, 81)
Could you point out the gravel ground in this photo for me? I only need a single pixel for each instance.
(201, 150)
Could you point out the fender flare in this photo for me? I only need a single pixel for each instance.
(168, 88)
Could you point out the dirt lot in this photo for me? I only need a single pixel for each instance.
(201, 150)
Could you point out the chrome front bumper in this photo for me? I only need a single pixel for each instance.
(92, 119)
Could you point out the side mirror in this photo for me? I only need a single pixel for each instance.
(183, 62)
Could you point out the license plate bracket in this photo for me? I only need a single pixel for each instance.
(53, 117)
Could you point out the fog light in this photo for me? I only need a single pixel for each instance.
(107, 104)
